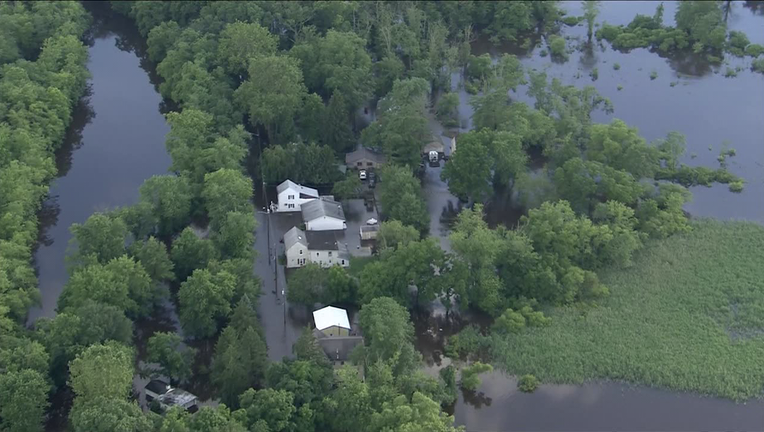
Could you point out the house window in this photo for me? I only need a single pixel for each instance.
(300, 251)
(343, 262)
(316, 253)
(369, 164)
(330, 253)
(290, 196)
(360, 163)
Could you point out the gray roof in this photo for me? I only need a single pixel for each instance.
(364, 153)
(338, 348)
(286, 184)
(312, 210)
(322, 240)
(294, 236)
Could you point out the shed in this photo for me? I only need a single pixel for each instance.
(369, 232)
(332, 321)
(323, 215)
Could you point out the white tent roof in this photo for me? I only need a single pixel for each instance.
(331, 316)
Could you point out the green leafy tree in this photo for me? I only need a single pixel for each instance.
(234, 235)
(152, 256)
(704, 23)
(471, 375)
(273, 94)
(307, 285)
(226, 191)
(23, 400)
(336, 126)
(170, 198)
(189, 252)
(422, 413)
(400, 198)
(205, 300)
(393, 233)
(468, 172)
(101, 237)
(102, 371)
(239, 362)
(174, 358)
(104, 414)
(217, 418)
(273, 407)
(510, 322)
(591, 10)
(348, 188)
(388, 333)
(240, 42)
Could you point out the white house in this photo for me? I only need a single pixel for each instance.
(319, 247)
(296, 248)
(292, 196)
(323, 215)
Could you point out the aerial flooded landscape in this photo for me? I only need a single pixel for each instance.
(381, 216)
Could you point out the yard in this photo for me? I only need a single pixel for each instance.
(688, 316)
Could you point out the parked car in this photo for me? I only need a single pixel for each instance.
(362, 174)
(372, 183)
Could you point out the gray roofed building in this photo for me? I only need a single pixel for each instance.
(364, 158)
(293, 237)
(322, 240)
(322, 207)
(337, 348)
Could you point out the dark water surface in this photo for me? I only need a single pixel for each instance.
(115, 142)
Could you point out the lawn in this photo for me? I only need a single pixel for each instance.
(688, 316)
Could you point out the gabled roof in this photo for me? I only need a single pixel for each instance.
(338, 348)
(364, 153)
(331, 316)
(315, 209)
(294, 236)
(303, 190)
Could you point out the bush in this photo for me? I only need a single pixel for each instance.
(736, 186)
(754, 50)
(758, 65)
(616, 66)
(446, 109)
(468, 342)
(737, 43)
(620, 87)
(471, 88)
(730, 73)
(595, 73)
(653, 75)
(527, 383)
(572, 20)
(470, 375)
(557, 47)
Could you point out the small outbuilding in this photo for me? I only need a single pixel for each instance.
(364, 158)
(332, 321)
(292, 196)
(167, 396)
(323, 215)
(334, 335)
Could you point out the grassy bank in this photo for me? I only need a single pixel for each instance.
(688, 316)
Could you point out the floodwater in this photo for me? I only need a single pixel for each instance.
(706, 107)
(709, 109)
(115, 142)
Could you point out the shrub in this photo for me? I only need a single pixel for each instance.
(758, 65)
(470, 375)
(737, 43)
(754, 50)
(730, 73)
(616, 66)
(620, 87)
(653, 75)
(736, 186)
(544, 53)
(557, 47)
(572, 20)
(527, 383)
(595, 73)
(446, 109)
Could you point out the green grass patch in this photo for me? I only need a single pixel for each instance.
(687, 316)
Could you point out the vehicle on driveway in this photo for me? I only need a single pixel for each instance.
(362, 174)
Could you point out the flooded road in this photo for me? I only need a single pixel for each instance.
(115, 142)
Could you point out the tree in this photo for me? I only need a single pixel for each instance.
(205, 300)
(510, 322)
(101, 237)
(470, 375)
(152, 256)
(234, 235)
(557, 47)
(704, 23)
(468, 172)
(387, 330)
(239, 362)
(170, 198)
(273, 407)
(226, 191)
(174, 358)
(422, 413)
(190, 252)
(273, 93)
(104, 414)
(307, 285)
(240, 42)
(143, 295)
(447, 109)
(23, 400)
(591, 10)
(217, 418)
(102, 371)
(400, 198)
(348, 188)
(336, 126)
(393, 233)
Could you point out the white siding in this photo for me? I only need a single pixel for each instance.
(297, 256)
(325, 223)
(326, 258)
(290, 201)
